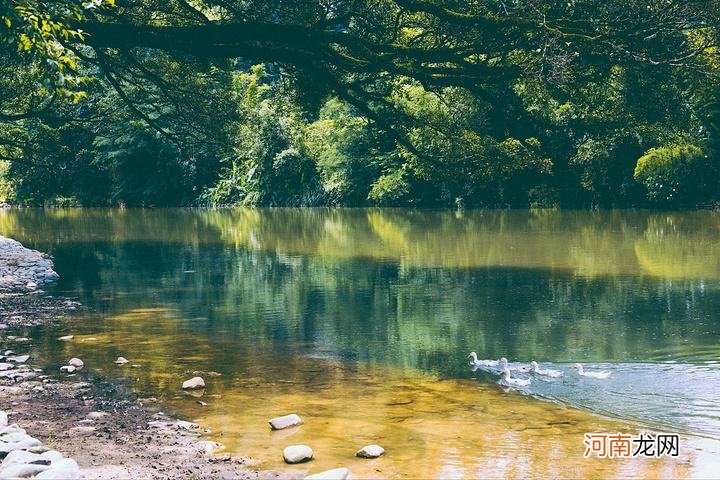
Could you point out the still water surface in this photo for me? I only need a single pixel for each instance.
(360, 321)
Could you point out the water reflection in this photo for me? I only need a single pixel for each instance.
(362, 319)
(667, 245)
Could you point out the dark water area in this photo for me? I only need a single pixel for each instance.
(293, 304)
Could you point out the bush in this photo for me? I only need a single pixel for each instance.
(673, 174)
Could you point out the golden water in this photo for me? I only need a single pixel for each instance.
(431, 427)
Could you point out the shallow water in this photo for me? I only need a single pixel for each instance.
(360, 321)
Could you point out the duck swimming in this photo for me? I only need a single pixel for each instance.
(481, 363)
(583, 373)
(535, 368)
(503, 363)
(506, 379)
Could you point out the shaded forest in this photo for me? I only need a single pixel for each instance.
(426, 103)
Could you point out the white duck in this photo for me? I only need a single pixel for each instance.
(506, 379)
(503, 363)
(481, 363)
(583, 373)
(535, 368)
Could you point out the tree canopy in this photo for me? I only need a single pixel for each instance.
(355, 102)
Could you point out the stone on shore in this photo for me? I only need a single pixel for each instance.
(68, 369)
(22, 470)
(208, 447)
(61, 470)
(297, 454)
(3, 419)
(334, 474)
(122, 361)
(96, 415)
(19, 358)
(370, 451)
(193, 383)
(77, 363)
(285, 421)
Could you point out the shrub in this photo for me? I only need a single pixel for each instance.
(673, 174)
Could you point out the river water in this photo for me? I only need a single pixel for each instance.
(360, 320)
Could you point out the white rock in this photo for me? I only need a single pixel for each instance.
(66, 338)
(68, 369)
(6, 366)
(19, 358)
(334, 474)
(122, 361)
(96, 415)
(3, 418)
(209, 447)
(285, 421)
(61, 470)
(297, 454)
(52, 455)
(21, 456)
(77, 363)
(22, 470)
(195, 382)
(26, 443)
(370, 451)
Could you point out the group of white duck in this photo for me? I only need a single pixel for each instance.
(504, 369)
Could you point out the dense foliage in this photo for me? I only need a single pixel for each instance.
(338, 102)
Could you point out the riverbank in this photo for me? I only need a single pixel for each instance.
(82, 419)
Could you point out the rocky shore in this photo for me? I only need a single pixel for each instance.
(54, 425)
(22, 269)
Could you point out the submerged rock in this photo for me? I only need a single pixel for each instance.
(68, 369)
(66, 338)
(285, 421)
(334, 474)
(370, 451)
(77, 363)
(122, 361)
(193, 383)
(297, 454)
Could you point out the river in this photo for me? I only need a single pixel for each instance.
(360, 321)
